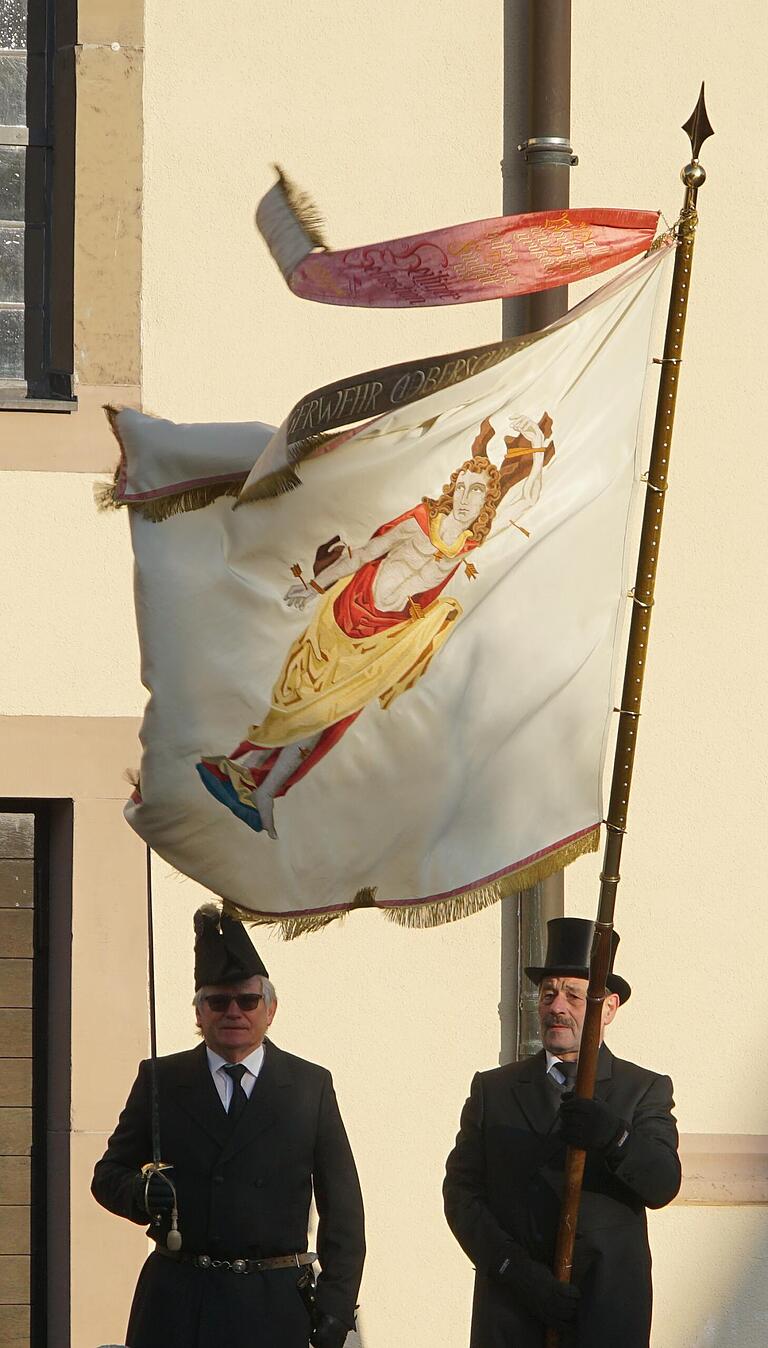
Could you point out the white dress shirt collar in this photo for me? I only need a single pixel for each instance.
(223, 1081)
(552, 1059)
(253, 1063)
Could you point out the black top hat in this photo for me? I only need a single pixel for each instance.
(224, 953)
(569, 943)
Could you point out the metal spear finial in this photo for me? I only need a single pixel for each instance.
(694, 174)
(698, 126)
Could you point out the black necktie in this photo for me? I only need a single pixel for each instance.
(238, 1100)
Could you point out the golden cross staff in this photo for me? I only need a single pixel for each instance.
(693, 175)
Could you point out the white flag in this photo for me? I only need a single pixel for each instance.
(394, 684)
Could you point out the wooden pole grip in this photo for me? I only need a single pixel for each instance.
(575, 1158)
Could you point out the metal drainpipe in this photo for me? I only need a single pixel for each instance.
(536, 171)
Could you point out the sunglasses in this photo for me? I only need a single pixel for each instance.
(221, 1001)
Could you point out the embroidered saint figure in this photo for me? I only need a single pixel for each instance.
(380, 617)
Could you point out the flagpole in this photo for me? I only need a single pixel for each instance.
(156, 1166)
(153, 1086)
(693, 176)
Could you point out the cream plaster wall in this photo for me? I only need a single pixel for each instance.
(389, 116)
(693, 859)
(710, 1271)
(66, 607)
(694, 926)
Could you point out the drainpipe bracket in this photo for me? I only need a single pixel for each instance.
(544, 151)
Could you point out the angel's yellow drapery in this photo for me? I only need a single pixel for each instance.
(328, 676)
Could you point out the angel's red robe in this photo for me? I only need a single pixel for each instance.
(357, 616)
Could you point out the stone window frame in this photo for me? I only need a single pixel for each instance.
(72, 767)
(96, 318)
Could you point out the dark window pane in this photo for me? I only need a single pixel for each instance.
(13, 23)
(34, 265)
(11, 263)
(34, 114)
(33, 349)
(13, 91)
(11, 343)
(34, 203)
(12, 184)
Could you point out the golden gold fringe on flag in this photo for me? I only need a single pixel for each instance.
(434, 912)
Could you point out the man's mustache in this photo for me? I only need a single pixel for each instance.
(558, 1019)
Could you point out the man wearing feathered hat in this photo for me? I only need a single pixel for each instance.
(504, 1177)
(250, 1133)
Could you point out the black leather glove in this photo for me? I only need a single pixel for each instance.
(158, 1199)
(591, 1125)
(538, 1290)
(330, 1333)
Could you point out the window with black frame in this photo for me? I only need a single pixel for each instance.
(17, 1070)
(26, 175)
(35, 1058)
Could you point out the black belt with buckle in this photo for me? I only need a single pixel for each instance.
(206, 1261)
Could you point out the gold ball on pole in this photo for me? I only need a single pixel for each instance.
(694, 174)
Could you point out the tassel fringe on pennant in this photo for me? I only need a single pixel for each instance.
(164, 507)
(106, 494)
(274, 484)
(292, 927)
(285, 479)
(304, 209)
(424, 915)
(435, 913)
(288, 927)
(193, 498)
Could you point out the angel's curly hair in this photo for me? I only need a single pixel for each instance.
(443, 504)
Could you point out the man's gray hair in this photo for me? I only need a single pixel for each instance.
(267, 992)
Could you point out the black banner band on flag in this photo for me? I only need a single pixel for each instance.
(351, 403)
(329, 415)
(368, 395)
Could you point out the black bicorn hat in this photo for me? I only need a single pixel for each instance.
(569, 943)
(224, 952)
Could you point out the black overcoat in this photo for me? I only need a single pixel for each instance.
(243, 1192)
(504, 1178)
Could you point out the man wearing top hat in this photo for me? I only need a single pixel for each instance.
(504, 1177)
(251, 1132)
